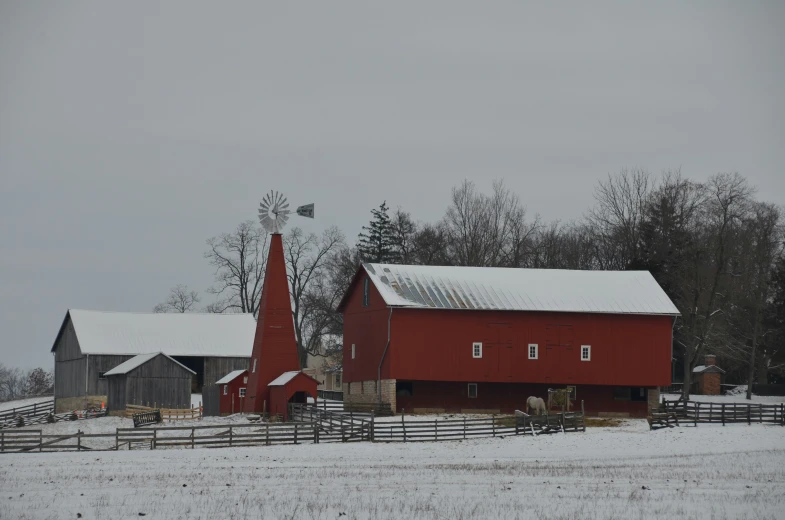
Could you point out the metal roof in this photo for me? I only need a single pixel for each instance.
(231, 376)
(188, 334)
(513, 289)
(141, 359)
(284, 378)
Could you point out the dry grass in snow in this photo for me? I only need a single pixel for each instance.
(731, 472)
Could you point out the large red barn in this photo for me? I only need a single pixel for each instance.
(427, 338)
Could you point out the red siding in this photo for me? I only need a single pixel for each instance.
(366, 328)
(282, 395)
(436, 345)
(233, 394)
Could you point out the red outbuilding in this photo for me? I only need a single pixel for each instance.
(475, 339)
(290, 387)
(232, 388)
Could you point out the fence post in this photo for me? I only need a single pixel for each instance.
(41, 440)
(193, 438)
(749, 420)
(723, 414)
(697, 412)
(155, 438)
(2, 441)
(403, 423)
(79, 440)
(493, 424)
(117, 439)
(230, 435)
(373, 427)
(295, 433)
(583, 414)
(267, 434)
(782, 414)
(464, 427)
(436, 430)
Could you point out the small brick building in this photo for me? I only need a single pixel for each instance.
(708, 377)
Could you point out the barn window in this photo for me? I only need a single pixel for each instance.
(366, 291)
(337, 380)
(533, 350)
(245, 380)
(352, 350)
(101, 375)
(472, 390)
(476, 349)
(226, 389)
(254, 366)
(242, 392)
(585, 352)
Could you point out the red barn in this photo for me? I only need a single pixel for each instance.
(232, 388)
(477, 339)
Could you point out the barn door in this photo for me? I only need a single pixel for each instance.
(498, 352)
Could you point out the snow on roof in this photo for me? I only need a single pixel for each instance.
(213, 335)
(499, 288)
(710, 368)
(284, 378)
(141, 359)
(231, 376)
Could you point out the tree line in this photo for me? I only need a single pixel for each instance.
(16, 383)
(715, 249)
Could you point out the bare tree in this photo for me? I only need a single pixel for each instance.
(404, 231)
(429, 245)
(181, 299)
(239, 260)
(12, 383)
(39, 382)
(307, 256)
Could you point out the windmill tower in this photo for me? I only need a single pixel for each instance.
(274, 345)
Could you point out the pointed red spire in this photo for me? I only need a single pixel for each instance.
(274, 345)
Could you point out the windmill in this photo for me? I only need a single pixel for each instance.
(274, 212)
(275, 346)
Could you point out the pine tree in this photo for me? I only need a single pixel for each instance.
(377, 241)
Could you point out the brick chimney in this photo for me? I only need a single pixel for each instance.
(711, 359)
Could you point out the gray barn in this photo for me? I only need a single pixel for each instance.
(91, 343)
(149, 379)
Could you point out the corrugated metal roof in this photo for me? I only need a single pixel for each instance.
(228, 378)
(498, 288)
(141, 359)
(211, 335)
(284, 378)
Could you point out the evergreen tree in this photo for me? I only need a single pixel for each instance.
(377, 242)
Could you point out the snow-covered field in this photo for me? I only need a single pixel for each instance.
(8, 405)
(736, 471)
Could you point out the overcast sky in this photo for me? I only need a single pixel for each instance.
(131, 132)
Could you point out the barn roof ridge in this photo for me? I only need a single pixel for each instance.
(517, 289)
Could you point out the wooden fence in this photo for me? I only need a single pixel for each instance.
(167, 414)
(30, 410)
(703, 412)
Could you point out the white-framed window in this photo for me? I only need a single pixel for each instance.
(472, 390)
(352, 350)
(585, 352)
(245, 380)
(533, 351)
(226, 389)
(337, 381)
(242, 392)
(254, 366)
(477, 349)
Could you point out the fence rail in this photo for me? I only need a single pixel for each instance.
(167, 414)
(30, 410)
(707, 412)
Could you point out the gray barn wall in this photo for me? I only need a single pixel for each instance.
(160, 381)
(69, 365)
(97, 363)
(115, 396)
(217, 367)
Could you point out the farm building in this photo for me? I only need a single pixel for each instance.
(231, 390)
(90, 343)
(476, 339)
(290, 387)
(708, 377)
(149, 379)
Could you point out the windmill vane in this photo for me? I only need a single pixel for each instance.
(274, 211)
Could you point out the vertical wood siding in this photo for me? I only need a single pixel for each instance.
(217, 367)
(160, 381)
(70, 364)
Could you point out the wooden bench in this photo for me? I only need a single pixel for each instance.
(659, 419)
(145, 418)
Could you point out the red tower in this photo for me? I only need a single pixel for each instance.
(274, 345)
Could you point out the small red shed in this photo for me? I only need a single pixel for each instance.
(232, 389)
(290, 387)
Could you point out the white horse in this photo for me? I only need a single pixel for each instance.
(536, 404)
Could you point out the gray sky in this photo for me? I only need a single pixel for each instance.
(131, 132)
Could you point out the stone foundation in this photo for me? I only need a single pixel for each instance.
(66, 404)
(365, 392)
(654, 398)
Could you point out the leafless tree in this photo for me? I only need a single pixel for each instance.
(181, 299)
(429, 245)
(307, 256)
(12, 383)
(239, 260)
(404, 231)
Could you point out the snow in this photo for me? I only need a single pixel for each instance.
(284, 378)
(187, 334)
(709, 471)
(710, 368)
(617, 292)
(733, 398)
(228, 378)
(18, 403)
(141, 359)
